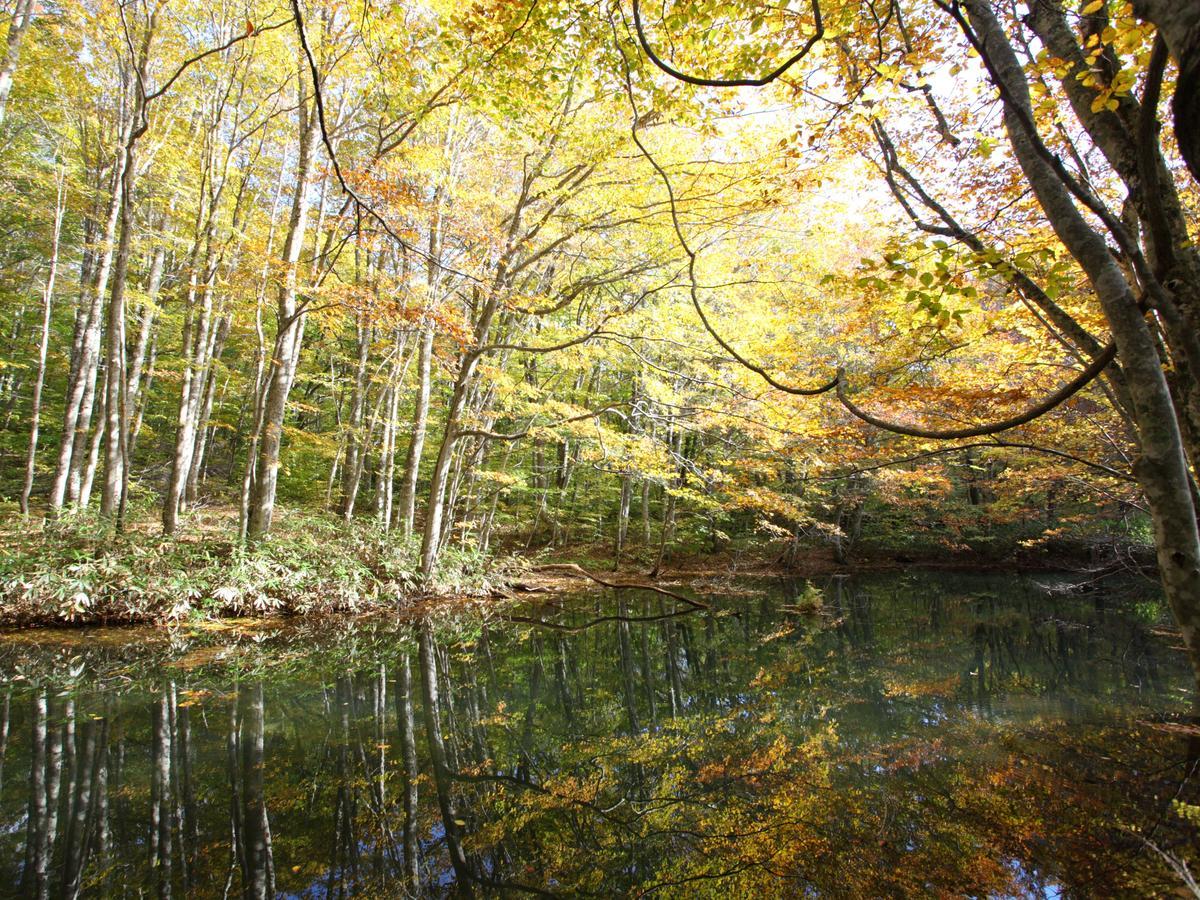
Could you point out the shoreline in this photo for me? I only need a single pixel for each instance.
(513, 578)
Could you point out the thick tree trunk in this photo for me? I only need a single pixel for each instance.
(259, 385)
(1161, 467)
(1128, 138)
(197, 330)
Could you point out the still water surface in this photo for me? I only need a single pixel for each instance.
(921, 735)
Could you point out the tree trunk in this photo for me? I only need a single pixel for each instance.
(206, 406)
(420, 423)
(22, 17)
(351, 470)
(1179, 23)
(147, 345)
(622, 519)
(112, 500)
(81, 385)
(35, 413)
(289, 334)
(420, 420)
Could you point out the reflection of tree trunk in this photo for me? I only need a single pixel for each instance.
(100, 826)
(560, 677)
(675, 693)
(448, 718)
(648, 670)
(55, 767)
(343, 861)
(83, 823)
(160, 789)
(380, 721)
(478, 732)
(437, 753)
(408, 742)
(33, 876)
(485, 644)
(535, 689)
(237, 850)
(626, 654)
(185, 798)
(258, 875)
(4, 725)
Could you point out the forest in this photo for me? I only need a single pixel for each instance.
(505, 277)
(319, 310)
(439, 284)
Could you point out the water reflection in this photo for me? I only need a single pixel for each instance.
(920, 735)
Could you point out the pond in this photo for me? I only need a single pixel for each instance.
(896, 734)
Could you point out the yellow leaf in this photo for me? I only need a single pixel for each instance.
(1093, 7)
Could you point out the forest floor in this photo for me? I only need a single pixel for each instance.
(76, 571)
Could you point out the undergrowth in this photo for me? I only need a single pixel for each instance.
(76, 570)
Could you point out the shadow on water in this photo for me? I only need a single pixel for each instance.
(920, 734)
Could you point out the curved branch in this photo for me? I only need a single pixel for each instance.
(352, 195)
(1063, 394)
(250, 32)
(691, 254)
(979, 445)
(727, 82)
(517, 435)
